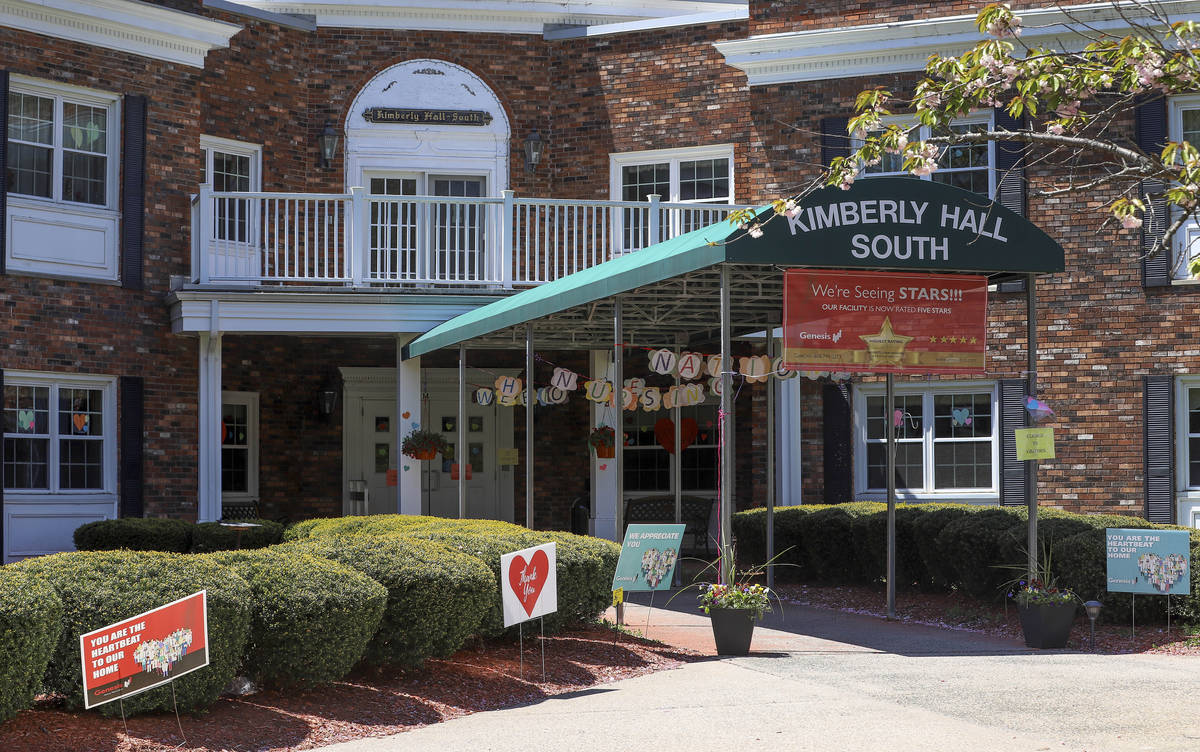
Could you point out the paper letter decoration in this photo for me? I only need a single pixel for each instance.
(714, 384)
(651, 399)
(781, 372)
(507, 388)
(662, 361)
(629, 399)
(754, 368)
(484, 396)
(556, 395)
(691, 366)
(565, 379)
(598, 390)
(714, 366)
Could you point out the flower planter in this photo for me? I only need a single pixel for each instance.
(424, 454)
(605, 452)
(1047, 625)
(733, 628)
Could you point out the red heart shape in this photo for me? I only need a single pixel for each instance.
(527, 578)
(604, 466)
(406, 415)
(664, 431)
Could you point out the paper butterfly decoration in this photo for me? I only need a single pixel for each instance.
(1038, 410)
(960, 417)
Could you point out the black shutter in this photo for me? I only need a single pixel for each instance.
(838, 451)
(4, 177)
(133, 192)
(3, 549)
(133, 410)
(1158, 439)
(835, 142)
(1010, 165)
(1151, 119)
(1013, 488)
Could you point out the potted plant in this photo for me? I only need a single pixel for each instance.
(603, 439)
(1047, 611)
(733, 604)
(422, 444)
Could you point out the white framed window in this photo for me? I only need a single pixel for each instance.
(63, 166)
(59, 434)
(1183, 124)
(235, 167)
(239, 446)
(947, 440)
(966, 166)
(696, 175)
(650, 469)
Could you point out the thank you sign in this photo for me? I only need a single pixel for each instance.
(145, 651)
(1155, 562)
(648, 557)
(528, 584)
(884, 322)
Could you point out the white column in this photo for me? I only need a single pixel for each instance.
(408, 403)
(209, 496)
(788, 434)
(604, 472)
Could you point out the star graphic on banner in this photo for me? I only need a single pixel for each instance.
(972, 340)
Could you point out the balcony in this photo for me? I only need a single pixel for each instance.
(357, 240)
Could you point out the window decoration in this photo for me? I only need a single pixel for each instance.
(57, 434)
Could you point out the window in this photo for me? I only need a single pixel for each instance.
(702, 175)
(234, 167)
(239, 446)
(966, 166)
(1184, 125)
(456, 229)
(649, 467)
(946, 440)
(58, 434)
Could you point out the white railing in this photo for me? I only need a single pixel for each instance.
(355, 239)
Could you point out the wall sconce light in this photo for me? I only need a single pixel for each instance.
(328, 141)
(534, 146)
(327, 398)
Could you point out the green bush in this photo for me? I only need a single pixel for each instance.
(311, 618)
(436, 597)
(939, 567)
(30, 623)
(869, 532)
(975, 546)
(750, 533)
(98, 588)
(135, 534)
(216, 536)
(829, 541)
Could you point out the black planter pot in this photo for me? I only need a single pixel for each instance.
(733, 628)
(1047, 625)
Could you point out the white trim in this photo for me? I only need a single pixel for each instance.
(1189, 234)
(619, 160)
(902, 46)
(135, 27)
(210, 144)
(986, 117)
(671, 22)
(55, 381)
(251, 401)
(928, 389)
(494, 16)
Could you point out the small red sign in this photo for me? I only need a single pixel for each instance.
(145, 651)
(529, 586)
(884, 322)
(393, 477)
(454, 472)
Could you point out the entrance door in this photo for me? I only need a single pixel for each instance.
(483, 492)
(378, 454)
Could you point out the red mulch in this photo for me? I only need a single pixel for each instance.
(957, 611)
(485, 677)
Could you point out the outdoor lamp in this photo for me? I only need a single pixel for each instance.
(1093, 611)
(327, 397)
(328, 141)
(534, 146)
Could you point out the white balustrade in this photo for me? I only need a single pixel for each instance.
(356, 239)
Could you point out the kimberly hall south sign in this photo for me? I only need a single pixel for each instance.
(884, 322)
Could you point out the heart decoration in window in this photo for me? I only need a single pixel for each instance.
(25, 423)
(961, 416)
(81, 422)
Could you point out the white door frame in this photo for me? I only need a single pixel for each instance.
(359, 384)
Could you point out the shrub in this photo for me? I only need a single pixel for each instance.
(974, 545)
(869, 532)
(215, 536)
(750, 533)
(135, 534)
(829, 541)
(30, 623)
(311, 618)
(436, 597)
(98, 588)
(939, 566)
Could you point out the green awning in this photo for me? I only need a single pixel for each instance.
(670, 288)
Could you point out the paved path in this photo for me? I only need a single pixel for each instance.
(822, 680)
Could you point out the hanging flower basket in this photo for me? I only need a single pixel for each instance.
(603, 439)
(423, 445)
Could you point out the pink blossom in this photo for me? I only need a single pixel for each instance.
(1131, 222)
(755, 232)
(1055, 129)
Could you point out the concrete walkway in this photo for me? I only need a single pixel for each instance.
(822, 680)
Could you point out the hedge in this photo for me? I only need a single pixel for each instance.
(829, 542)
(750, 532)
(135, 534)
(436, 597)
(976, 548)
(311, 618)
(30, 624)
(98, 588)
(215, 536)
(869, 532)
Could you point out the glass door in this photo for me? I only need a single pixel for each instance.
(458, 229)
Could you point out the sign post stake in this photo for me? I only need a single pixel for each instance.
(1031, 468)
(542, 628)
(529, 426)
(521, 645)
(889, 421)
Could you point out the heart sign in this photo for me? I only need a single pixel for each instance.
(25, 422)
(1162, 572)
(529, 584)
(664, 431)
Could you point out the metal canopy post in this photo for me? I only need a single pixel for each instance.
(889, 421)
(1031, 465)
(677, 456)
(726, 420)
(772, 383)
(619, 409)
(529, 402)
(461, 450)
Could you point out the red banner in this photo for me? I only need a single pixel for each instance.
(884, 322)
(145, 651)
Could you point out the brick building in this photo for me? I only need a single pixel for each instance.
(224, 220)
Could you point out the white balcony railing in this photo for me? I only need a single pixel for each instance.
(359, 240)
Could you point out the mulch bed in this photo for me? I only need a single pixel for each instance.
(485, 677)
(957, 611)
